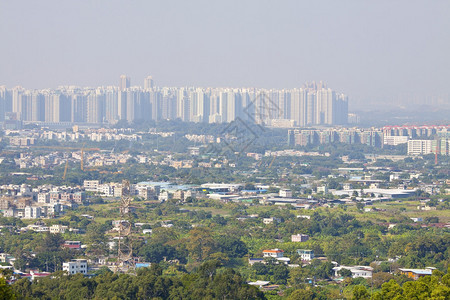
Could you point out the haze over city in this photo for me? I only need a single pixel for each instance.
(383, 52)
(253, 149)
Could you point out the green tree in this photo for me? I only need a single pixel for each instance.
(6, 292)
(345, 273)
(360, 293)
(280, 273)
(96, 238)
(302, 294)
(416, 290)
(391, 290)
(232, 246)
(200, 243)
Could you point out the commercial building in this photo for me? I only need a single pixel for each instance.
(421, 147)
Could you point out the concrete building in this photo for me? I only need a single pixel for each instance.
(76, 266)
(421, 147)
(32, 212)
(275, 253)
(57, 228)
(91, 185)
(285, 193)
(416, 273)
(357, 271)
(124, 82)
(395, 140)
(306, 254)
(299, 238)
(43, 198)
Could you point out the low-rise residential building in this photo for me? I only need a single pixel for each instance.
(76, 245)
(43, 198)
(299, 237)
(57, 228)
(357, 271)
(275, 253)
(285, 193)
(79, 197)
(76, 266)
(6, 258)
(91, 185)
(306, 254)
(32, 212)
(416, 273)
(271, 220)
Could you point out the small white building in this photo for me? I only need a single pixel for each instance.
(164, 196)
(304, 217)
(278, 254)
(418, 219)
(357, 271)
(76, 266)
(305, 254)
(275, 253)
(322, 189)
(105, 190)
(91, 185)
(43, 198)
(271, 220)
(57, 228)
(32, 212)
(285, 193)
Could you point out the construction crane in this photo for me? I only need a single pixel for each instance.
(65, 170)
(82, 149)
(271, 163)
(82, 158)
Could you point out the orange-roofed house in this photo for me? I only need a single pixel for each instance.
(275, 253)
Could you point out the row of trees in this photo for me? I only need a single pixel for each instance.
(208, 281)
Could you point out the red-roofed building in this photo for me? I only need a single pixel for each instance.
(72, 245)
(275, 253)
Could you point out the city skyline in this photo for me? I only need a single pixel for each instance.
(311, 104)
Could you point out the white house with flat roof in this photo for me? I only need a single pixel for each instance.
(357, 271)
(299, 237)
(305, 254)
(76, 266)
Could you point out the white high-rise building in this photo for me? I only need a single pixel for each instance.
(148, 83)
(111, 106)
(124, 82)
(421, 147)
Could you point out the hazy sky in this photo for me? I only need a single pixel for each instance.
(371, 50)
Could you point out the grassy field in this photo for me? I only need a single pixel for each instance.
(396, 209)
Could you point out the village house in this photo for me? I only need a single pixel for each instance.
(357, 271)
(305, 254)
(76, 266)
(416, 273)
(299, 237)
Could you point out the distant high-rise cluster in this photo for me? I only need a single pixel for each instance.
(313, 104)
